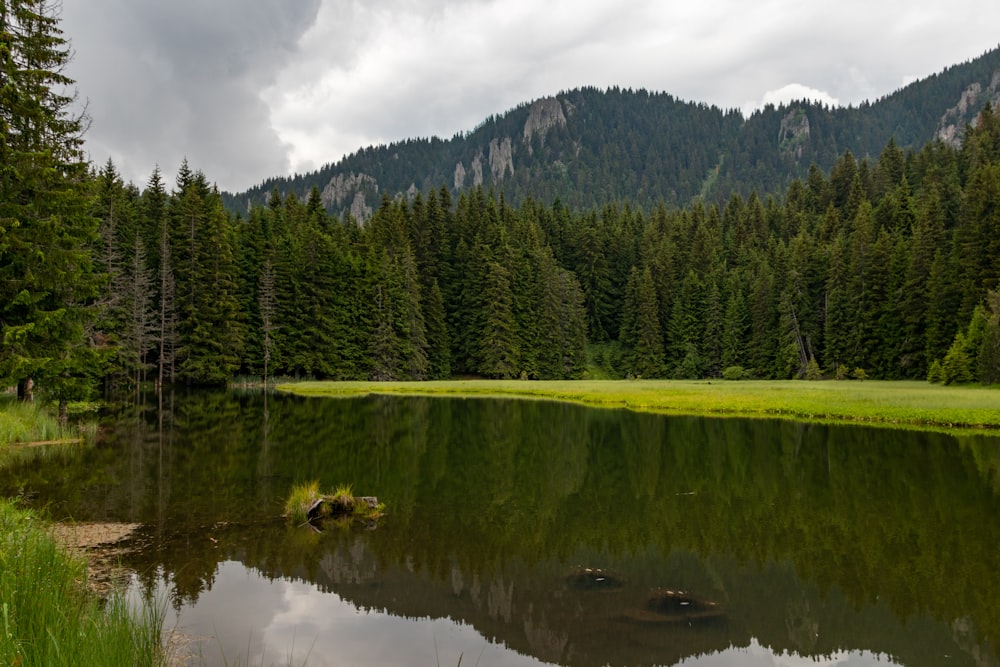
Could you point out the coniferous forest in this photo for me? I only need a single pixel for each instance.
(883, 267)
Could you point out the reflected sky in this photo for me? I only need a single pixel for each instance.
(756, 655)
(246, 618)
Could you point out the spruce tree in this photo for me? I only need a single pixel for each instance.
(498, 352)
(47, 279)
(647, 338)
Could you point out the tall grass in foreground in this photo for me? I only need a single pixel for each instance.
(48, 618)
(31, 422)
(28, 422)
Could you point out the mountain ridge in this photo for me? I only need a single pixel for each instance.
(586, 146)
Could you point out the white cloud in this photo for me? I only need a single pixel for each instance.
(792, 92)
(248, 89)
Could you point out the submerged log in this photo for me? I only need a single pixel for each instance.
(340, 505)
(315, 509)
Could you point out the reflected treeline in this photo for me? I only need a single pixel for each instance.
(814, 537)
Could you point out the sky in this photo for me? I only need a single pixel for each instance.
(250, 89)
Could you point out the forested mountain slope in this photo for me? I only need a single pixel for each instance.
(887, 268)
(586, 147)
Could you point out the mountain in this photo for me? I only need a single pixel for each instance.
(587, 147)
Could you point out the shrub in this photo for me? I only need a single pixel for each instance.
(957, 368)
(734, 373)
(935, 373)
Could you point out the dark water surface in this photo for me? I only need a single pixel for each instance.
(795, 544)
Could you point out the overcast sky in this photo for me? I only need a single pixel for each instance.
(248, 89)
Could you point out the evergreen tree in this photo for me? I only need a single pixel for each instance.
(957, 367)
(988, 360)
(735, 326)
(438, 342)
(643, 332)
(209, 339)
(47, 279)
(498, 340)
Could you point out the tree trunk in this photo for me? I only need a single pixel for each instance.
(25, 387)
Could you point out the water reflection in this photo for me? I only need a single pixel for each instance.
(291, 622)
(820, 543)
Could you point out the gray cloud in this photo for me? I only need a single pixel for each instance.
(249, 90)
(165, 80)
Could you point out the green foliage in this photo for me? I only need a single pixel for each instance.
(301, 497)
(875, 264)
(957, 367)
(50, 618)
(935, 373)
(734, 373)
(339, 503)
(48, 282)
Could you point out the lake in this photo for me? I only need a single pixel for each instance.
(526, 532)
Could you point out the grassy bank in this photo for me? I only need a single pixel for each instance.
(48, 618)
(911, 404)
(23, 424)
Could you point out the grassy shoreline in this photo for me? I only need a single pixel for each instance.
(49, 617)
(917, 405)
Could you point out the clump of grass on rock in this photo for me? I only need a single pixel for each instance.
(306, 503)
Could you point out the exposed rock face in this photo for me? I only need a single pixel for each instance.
(952, 124)
(501, 158)
(342, 186)
(477, 170)
(794, 132)
(542, 117)
(359, 210)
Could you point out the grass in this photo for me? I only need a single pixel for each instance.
(23, 423)
(48, 618)
(908, 404)
(341, 503)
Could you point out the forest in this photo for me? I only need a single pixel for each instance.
(881, 267)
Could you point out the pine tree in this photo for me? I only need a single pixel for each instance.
(438, 342)
(645, 336)
(165, 325)
(498, 339)
(47, 280)
(209, 337)
(988, 360)
(957, 367)
(735, 326)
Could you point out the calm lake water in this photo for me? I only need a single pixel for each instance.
(794, 544)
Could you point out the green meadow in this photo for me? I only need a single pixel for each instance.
(907, 404)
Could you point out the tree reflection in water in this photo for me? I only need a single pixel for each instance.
(815, 540)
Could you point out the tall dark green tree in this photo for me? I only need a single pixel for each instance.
(499, 354)
(209, 335)
(47, 232)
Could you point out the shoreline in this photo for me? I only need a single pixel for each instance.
(897, 404)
